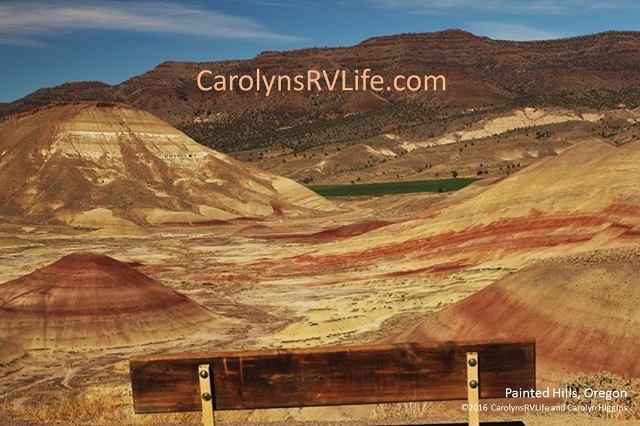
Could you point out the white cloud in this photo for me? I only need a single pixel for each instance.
(515, 32)
(27, 22)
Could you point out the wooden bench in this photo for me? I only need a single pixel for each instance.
(331, 376)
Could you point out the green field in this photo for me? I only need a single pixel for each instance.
(387, 188)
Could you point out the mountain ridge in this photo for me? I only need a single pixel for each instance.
(596, 71)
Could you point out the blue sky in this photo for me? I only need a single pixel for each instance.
(46, 43)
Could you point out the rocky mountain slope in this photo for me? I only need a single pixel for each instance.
(483, 76)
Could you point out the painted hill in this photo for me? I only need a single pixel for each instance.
(90, 301)
(104, 164)
(584, 199)
(582, 311)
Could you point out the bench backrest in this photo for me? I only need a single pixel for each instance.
(331, 376)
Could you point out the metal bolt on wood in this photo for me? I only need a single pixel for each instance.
(206, 392)
(473, 391)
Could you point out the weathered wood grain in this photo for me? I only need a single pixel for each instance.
(331, 376)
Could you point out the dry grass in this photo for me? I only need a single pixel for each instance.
(109, 405)
(105, 405)
(402, 410)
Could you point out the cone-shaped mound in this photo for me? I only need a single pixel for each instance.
(582, 311)
(87, 301)
(98, 164)
(589, 177)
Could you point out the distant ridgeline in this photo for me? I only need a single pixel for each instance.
(483, 77)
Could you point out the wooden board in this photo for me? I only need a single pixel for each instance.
(331, 376)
